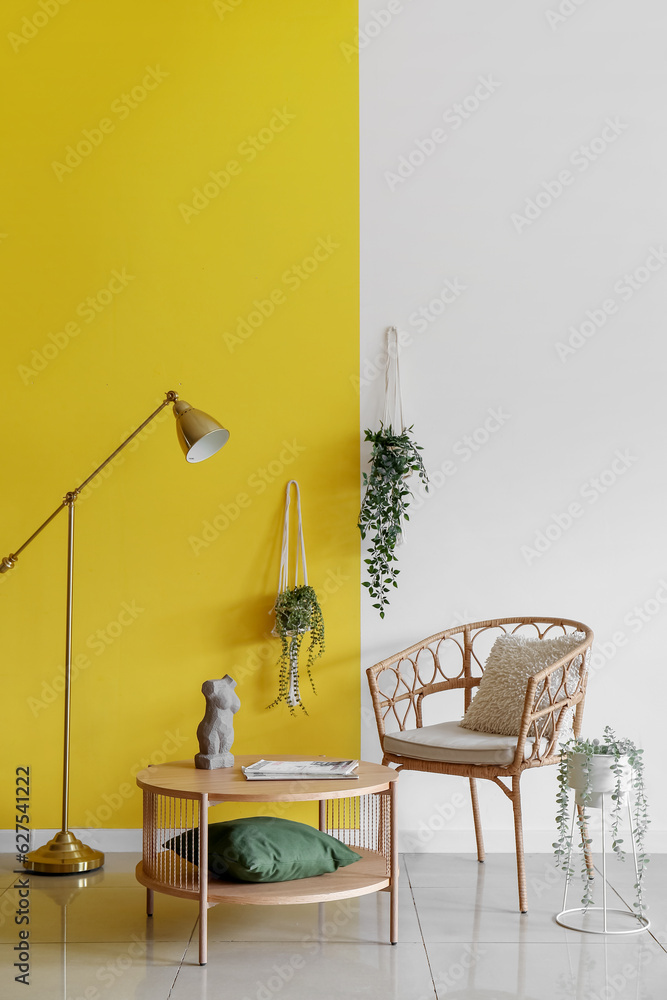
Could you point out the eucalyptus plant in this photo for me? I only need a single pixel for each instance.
(297, 611)
(385, 505)
(624, 752)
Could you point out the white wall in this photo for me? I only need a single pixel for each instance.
(597, 76)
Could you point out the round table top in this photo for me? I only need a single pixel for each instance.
(229, 784)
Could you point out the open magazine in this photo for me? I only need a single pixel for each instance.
(290, 770)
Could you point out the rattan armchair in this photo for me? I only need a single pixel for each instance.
(408, 688)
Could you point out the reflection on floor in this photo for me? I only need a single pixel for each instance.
(461, 937)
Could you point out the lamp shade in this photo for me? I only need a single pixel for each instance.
(200, 435)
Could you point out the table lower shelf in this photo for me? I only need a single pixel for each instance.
(364, 876)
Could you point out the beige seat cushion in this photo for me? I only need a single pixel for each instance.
(448, 741)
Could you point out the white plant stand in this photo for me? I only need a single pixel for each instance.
(602, 919)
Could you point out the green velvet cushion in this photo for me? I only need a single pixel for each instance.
(265, 849)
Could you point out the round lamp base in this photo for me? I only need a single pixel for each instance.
(65, 854)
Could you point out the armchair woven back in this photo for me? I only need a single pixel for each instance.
(454, 659)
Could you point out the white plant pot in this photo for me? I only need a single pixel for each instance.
(602, 780)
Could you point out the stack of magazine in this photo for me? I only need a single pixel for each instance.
(291, 770)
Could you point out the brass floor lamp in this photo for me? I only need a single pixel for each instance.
(200, 437)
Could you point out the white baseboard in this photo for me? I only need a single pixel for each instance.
(108, 841)
(428, 841)
(425, 841)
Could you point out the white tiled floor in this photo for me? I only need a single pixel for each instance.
(460, 937)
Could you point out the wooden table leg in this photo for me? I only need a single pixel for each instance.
(149, 902)
(393, 923)
(203, 879)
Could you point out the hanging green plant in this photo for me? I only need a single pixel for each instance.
(385, 505)
(297, 611)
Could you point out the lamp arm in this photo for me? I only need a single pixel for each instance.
(171, 397)
(9, 561)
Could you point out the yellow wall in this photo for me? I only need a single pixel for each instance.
(79, 375)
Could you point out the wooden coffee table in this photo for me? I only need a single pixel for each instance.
(360, 813)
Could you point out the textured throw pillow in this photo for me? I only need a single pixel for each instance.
(498, 705)
(265, 849)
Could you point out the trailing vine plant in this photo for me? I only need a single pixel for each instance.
(385, 505)
(297, 611)
(624, 752)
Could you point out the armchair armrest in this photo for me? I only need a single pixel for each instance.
(554, 704)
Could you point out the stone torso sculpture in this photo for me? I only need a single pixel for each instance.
(215, 732)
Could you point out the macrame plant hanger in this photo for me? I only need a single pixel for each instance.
(293, 697)
(393, 399)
